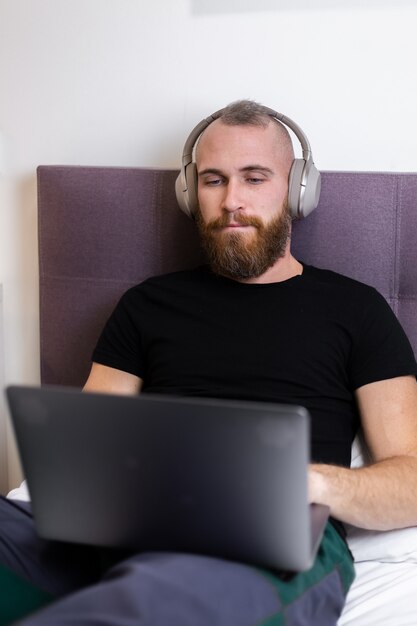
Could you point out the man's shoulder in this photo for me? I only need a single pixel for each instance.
(336, 280)
(350, 294)
(168, 280)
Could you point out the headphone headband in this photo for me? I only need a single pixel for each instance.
(304, 178)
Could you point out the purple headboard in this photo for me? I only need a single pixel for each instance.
(104, 229)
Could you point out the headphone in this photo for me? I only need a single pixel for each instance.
(303, 184)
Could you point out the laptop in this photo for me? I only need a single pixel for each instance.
(153, 472)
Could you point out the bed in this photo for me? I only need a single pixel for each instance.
(103, 229)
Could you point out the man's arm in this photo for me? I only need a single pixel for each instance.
(383, 495)
(104, 379)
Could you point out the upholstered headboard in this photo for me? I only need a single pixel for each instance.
(104, 229)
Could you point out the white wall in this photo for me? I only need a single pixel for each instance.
(120, 82)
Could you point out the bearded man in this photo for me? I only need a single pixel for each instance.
(256, 324)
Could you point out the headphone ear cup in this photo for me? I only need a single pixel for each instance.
(303, 188)
(312, 187)
(294, 187)
(192, 188)
(186, 190)
(180, 192)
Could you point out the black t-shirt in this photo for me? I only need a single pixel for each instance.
(310, 340)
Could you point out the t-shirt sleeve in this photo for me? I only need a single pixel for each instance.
(382, 349)
(119, 345)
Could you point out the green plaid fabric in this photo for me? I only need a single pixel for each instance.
(18, 597)
(316, 596)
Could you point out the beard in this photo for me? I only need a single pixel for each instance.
(240, 255)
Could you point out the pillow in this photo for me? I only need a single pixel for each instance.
(20, 493)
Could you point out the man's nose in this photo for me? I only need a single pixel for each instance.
(233, 200)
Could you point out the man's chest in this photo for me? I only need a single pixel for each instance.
(276, 345)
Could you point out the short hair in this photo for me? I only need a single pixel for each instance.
(251, 113)
(245, 112)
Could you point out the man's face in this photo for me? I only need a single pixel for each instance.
(242, 192)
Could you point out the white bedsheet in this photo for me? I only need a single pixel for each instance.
(20, 493)
(384, 592)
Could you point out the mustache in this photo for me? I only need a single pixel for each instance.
(242, 220)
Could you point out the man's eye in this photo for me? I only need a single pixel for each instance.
(213, 182)
(255, 181)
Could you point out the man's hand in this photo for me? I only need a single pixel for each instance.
(316, 485)
(381, 496)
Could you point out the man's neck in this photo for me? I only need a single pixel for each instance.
(283, 269)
